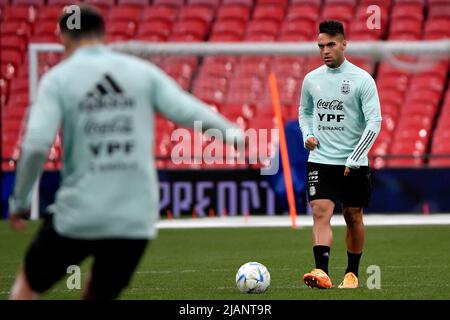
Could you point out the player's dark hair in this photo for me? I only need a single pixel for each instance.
(91, 23)
(331, 27)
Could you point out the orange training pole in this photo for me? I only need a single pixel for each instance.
(283, 149)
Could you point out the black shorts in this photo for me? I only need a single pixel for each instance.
(328, 182)
(50, 255)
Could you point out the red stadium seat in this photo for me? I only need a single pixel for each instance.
(35, 3)
(343, 13)
(380, 3)
(16, 113)
(60, 2)
(124, 13)
(241, 97)
(234, 12)
(364, 63)
(426, 81)
(262, 123)
(437, 2)
(436, 35)
(411, 153)
(12, 57)
(439, 11)
(387, 69)
(406, 28)
(121, 28)
(245, 3)
(50, 12)
(210, 95)
(438, 25)
(293, 37)
(298, 27)
(237, 110)
(246, 84)
(440, 137)
(19, 28)
(424, 96)
(4, 91)
(282, 3)
(412, 134)
(399, 83)
(10, 152)
(409, 10)
(247, 70)
(289, 66)
(303, 12)
(207, 3)
(135, 3)
(415, 121)
(179, 69)
(236, 27)
(440, 154)
(362, 36)
(225, 37)
(44, 38)
(217, 69)
(19, 86)
(204, 14)
(391, 96)
(437, 68)
(46, 28)
(194, 28)
(14, 42)
(389, 121)
(20, 13)
(175, 3)
(101, 3)
(262, 27)
(160, 13)
(425, 109)
(157, 27)
(360, 27)
(210, 82)
(312, 3)
(271, 12)
(345, 2)
(421, 2)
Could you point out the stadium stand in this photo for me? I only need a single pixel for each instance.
(415, 105)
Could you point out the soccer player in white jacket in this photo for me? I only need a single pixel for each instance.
(107, 204)
(340, 119)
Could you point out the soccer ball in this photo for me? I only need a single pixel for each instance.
(253, 277)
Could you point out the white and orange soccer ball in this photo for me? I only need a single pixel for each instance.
(253, 277)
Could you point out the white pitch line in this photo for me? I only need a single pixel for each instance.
(302, 221)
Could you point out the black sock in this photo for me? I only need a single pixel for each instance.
(353, 262)
(321, 255)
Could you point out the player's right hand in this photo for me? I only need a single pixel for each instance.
(18, 222)
(311, 143)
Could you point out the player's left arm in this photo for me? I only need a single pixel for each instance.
(370, 105)
(42, 125)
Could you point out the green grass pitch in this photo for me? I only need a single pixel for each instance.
(201, 264)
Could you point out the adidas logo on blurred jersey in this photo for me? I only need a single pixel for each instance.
(107, 94)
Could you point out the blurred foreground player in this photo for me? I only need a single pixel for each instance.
(340, 119)
(107, 204)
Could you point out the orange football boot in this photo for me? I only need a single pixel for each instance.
(350, 281)
(317, 278)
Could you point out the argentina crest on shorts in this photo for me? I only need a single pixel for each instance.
(345, 87)
(312, 191)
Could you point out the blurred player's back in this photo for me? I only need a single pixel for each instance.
(108, 180)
